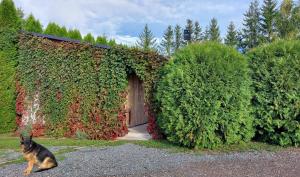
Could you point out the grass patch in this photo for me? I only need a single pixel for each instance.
(10, 142)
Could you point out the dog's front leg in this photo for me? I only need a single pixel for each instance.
(28, 170)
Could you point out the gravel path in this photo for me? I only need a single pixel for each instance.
(135, 161)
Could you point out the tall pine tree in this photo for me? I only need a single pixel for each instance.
(178, 37)
(232, 36)
(53, 29)
(146, 40)
(214, 31)
(251, 30)
(287, 28)
(74, 34)
(63, 32)
(296, 18)
(190, 26)
(167, 41)
(206, 34)
(89, 38)
(268, 20)
(198, 32)
(101, 40)
(32, 25)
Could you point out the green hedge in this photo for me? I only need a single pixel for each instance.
(203, 97)
(7, 94)
(275, 71)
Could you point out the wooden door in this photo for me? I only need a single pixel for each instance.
(136, 102)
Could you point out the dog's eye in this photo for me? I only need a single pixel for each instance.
(22, 142)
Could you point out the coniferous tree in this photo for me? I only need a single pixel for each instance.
(285, 22)
(89, 38)
(9, 17)
(296, 19)
(32, 25)
(251, 30)
(190, 26)
(53, 29)
(112, 42)
(74, 34)
(101, 40)
(167, 41)
(214, 31)
(198, 32)
(268, 19)
(232, 36)
(178, 37)
(206, 34)
(10, 24)
(146, 40)
(63, 32)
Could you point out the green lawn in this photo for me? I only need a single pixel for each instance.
(10, 142)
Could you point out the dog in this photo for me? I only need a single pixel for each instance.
(36, 154)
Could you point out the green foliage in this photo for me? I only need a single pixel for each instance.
(284, 21)
(63, 32)
(251, 31)
(214, 31)
(190, 26)
(8, 15)
(54, 29)
(178, 37)
(232, 36)
(167, 41)
(81, 135)
(96, 78)
(101, 40)
(9, 25)
(74, 34)
(203, 97)
(7, 94)
(198, 32)
(146, 40)
(104, 41)
(89, 38)
(32, 25)
(268, 20)
(275, 73)
(112, 42)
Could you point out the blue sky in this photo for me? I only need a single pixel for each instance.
(125, 19)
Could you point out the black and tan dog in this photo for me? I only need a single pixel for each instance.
(37, 155)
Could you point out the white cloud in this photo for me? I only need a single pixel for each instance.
(109, 17)
(125, 39)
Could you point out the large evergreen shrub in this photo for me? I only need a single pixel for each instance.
(10, 23)
(275, 71)
(203, 97)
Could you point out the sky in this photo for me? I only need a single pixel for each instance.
(124, 20)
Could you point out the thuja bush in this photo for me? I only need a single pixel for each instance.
(203, 97)
(82, 88)
(7, 94)
(9, 26)
(275, 71)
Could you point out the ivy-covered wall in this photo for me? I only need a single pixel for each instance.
(69, 88)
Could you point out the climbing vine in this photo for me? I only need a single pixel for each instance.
(82, 87)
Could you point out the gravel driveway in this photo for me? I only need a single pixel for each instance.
(135, 161)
